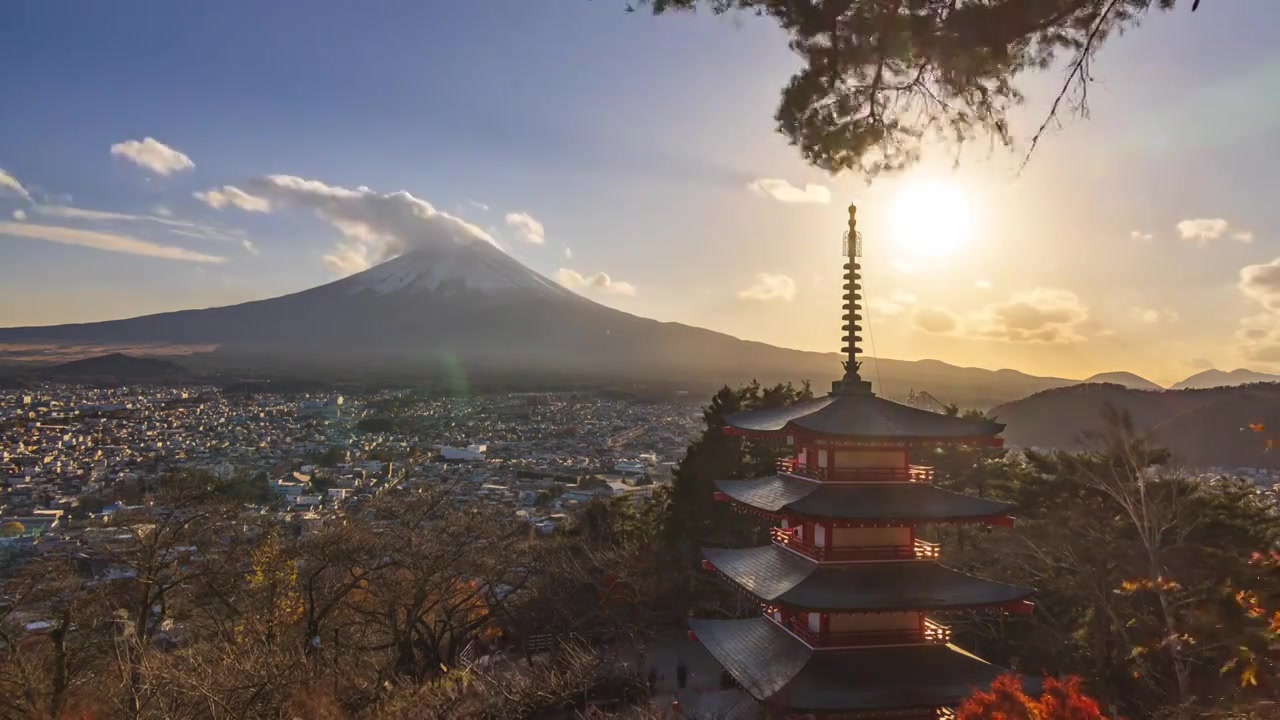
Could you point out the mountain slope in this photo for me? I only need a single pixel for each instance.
(117, 366)
(469, 311)
(1202, 428)
(1124, 379)
(1218, 378)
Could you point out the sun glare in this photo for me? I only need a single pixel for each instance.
(932, 219)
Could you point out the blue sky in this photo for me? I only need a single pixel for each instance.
(633, 141)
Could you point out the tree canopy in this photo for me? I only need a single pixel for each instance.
(880, 77)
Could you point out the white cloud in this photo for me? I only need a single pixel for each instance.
(982, 284)
(783, 191)
(479, 205)
(9, 183)
(940, 321)
(1042, 315)
(600, 282)
(568, 253)
(768, 287)
(897, 304)
(1152, 316)
(249, 247)
(528, 227)
(180, 227)
(1141, 236)
(376, 226)
(104, 241)
(234, 197)
(1259, 335)
(162, 211)
(19, 215)
(67, 212)
(347, 258)
(153, 155)
(1201, 231)
(1262, 283)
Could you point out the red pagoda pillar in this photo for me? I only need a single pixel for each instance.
(850, 594)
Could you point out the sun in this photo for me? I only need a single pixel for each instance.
(932, 219)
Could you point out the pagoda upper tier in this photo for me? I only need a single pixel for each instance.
(853, 412)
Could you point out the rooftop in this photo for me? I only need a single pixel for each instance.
(774, 666)
(780, 576)
(870, 502)
(863, 415)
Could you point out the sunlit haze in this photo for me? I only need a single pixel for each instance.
(191, 156)
(932, 219)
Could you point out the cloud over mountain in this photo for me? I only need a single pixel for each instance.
(529, 228)
(376, 226)
(599, 282)
(785, 192)
(227, 195)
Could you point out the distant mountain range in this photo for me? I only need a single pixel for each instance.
(1219, 378)
(1125, 379)
(466, 314)
(1221, 426)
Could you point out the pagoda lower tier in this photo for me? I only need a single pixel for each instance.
(877, 503)
(778, 669)
(781, 577)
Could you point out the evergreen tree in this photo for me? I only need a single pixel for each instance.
(692, 518)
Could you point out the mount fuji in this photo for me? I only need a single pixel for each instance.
(440, 307)
(467, 310)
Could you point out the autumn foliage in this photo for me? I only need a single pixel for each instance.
(1006, 700)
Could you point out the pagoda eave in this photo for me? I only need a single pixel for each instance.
(779, 577)
(794, 518)
(778, 668)
(804, 436)
(860, 504)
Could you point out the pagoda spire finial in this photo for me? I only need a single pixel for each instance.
(852, 381)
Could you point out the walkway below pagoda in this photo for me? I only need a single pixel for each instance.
(775, 667)
(870, 502)
(780, 576)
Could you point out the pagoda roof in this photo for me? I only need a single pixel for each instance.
(894, 501)
(863, 415)
(780, 576)
(775, 666)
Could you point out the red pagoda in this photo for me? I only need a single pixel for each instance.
(847, 588)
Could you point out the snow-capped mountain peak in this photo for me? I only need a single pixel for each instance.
(471, 267)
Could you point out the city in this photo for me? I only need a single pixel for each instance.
(71, 455)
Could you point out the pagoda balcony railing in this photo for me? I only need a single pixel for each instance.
(918, 550)
(911, 473)
(931, 632)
